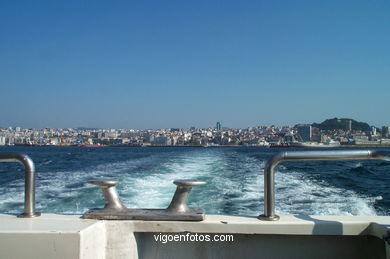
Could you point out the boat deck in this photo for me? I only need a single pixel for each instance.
(70, 236)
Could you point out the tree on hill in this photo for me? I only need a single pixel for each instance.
(341, 124)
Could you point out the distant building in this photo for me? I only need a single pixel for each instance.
(360, 138)
(2, 140)
(315, 134)
(218, 126)
(349, 125)
(373, 130)
(304, 132)
(385, 131)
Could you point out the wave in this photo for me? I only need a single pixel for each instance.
(234, 186)
(300, 195)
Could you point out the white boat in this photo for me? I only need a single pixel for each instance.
(266, 236)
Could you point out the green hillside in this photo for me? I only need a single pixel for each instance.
(342, 124)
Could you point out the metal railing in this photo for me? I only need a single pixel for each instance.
(29, 182)
(273, 162)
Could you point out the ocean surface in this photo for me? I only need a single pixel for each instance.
(234, 179)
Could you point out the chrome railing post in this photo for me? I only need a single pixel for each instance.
(29, 182)
(273, 162)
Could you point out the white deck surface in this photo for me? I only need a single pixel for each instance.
(70, 236)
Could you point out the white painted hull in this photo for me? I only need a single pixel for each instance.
(59, 236)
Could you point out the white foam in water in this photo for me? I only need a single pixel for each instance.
(54, 195)
(156, 189)
(296, 194)
(234, 186)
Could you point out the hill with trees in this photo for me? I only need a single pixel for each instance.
(341, 124)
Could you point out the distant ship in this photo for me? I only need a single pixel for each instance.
(91, 145)
(329, 144)
(279, 144)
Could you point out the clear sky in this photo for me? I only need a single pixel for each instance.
(162, 64)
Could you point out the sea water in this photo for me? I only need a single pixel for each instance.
(234, 177)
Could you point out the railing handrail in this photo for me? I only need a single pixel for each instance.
(274, 161)
(29, 182)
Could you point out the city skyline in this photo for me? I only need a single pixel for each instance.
(176, 65)
(212, 125)
(217, 125)
(331, 133)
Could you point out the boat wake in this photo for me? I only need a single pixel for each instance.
(234, 186)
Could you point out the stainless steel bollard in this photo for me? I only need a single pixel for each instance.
(180, 198)
(111, 197)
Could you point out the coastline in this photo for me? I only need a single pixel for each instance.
(216, 146)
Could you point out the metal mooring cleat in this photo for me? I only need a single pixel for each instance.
(177, 210)
(110, 194)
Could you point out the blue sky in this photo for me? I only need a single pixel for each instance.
(161, 64)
